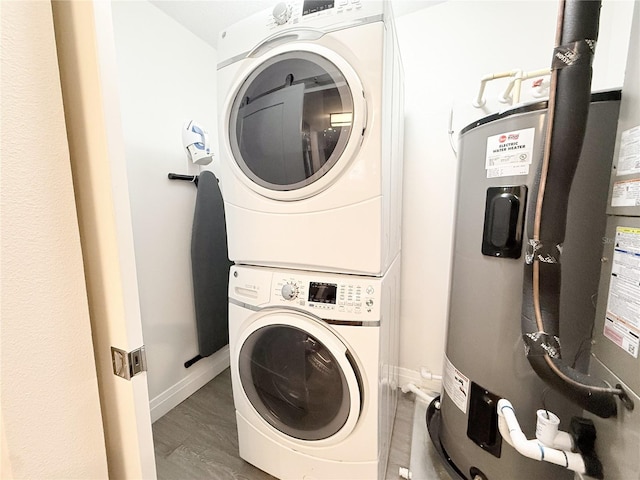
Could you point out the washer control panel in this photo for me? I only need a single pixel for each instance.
(328, 296)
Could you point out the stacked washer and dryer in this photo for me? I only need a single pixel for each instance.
(311, 129)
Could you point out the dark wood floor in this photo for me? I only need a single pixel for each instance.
(198, 438)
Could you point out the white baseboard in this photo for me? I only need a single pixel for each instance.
(200, 373)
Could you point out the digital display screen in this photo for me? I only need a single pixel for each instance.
(313, 6)
(322, 292)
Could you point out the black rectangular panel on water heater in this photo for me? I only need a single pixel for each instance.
(482, 425)
(504, 221)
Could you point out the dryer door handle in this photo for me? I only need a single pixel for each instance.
(305, 34)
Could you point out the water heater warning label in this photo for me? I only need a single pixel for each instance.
(509, 153)
(622, 322)
(456, 385)
(626, 193)
(629, 153)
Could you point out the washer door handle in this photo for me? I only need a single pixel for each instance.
(308, 34)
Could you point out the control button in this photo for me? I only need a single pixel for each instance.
(369, 303)
(281, 13)
(289, 291)
(370, 290)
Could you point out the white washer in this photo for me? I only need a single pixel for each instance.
(313, 359)
(311, 137)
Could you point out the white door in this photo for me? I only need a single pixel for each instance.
(86, 53)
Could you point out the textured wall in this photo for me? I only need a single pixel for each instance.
(51, 420)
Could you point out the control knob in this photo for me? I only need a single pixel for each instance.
(281, 13)
(289, 291)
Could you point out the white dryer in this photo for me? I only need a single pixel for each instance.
(313, 360)
(310, 120)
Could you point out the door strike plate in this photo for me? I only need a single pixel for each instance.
(128, 364)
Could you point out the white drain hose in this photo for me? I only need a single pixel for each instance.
(512, 433)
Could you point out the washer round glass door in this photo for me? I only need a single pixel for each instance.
(303, 385)
(292, 120)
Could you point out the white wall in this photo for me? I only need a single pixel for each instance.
(446, 49)
(50, 423)
(166, 75)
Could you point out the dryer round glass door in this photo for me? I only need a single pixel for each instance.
(299, 384)
(291, 120)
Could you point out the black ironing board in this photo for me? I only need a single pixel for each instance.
(210, 266)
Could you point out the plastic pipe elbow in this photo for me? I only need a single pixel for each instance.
(479, 101)
(410, 387)
(512, 433)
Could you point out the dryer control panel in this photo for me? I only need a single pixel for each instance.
(294, 12)
(296, 20)
(347, 298)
